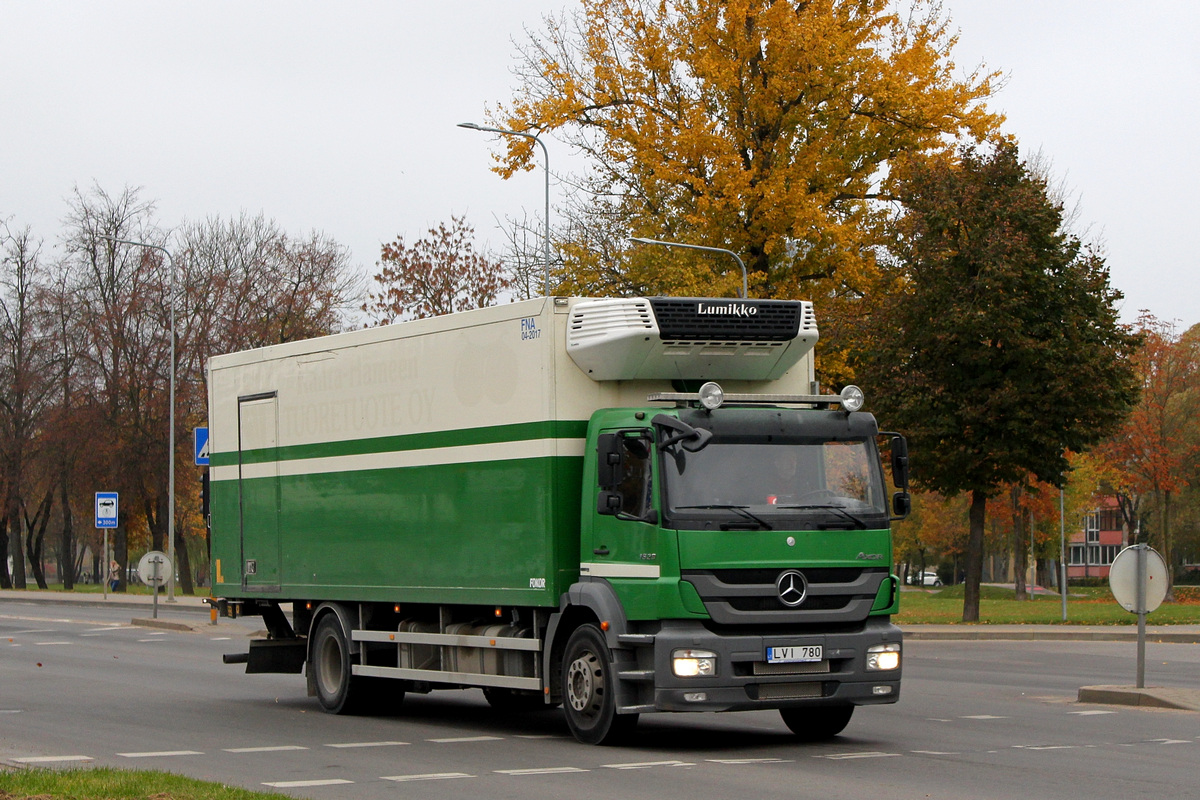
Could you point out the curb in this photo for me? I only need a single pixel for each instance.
(163, 624)
(1149, 697)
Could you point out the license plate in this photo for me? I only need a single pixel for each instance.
(795, 654)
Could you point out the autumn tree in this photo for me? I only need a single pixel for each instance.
(767, 128)
(437, 274)
(1001, 350)
(1152, 449)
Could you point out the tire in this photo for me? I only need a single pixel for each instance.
(817, 724)
(338, 691)
(589, 690)
(514, 700)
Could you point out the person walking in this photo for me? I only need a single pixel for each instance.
(114, 575)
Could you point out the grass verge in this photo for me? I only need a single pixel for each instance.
(115, 784)
(999, 606)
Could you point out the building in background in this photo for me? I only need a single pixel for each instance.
(1093, 549)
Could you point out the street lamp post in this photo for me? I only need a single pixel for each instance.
(171, 416)
(643, 240)
(546, 157)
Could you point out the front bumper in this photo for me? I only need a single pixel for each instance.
(744, 679)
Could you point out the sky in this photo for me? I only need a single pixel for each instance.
(341, 117)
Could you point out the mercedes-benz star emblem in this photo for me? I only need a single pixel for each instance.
(792, 586)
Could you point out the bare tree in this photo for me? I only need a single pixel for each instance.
(435, 275)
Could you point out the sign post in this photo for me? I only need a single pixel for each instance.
(1138, 579)
(106, 520)
(153, 569)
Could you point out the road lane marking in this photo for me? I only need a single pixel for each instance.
(649, 764)
(459, 739)
(304, 784)
(543, 771)
(35, 630)
(982, 716)
(276, 749)
(50, 759)
(429, 776)
(366, 744)
(741, 761)
(47, 644)
(936, 752)
(162, 754)
(149, 640)
(848, 756)
(1091, 713)
(220, 638)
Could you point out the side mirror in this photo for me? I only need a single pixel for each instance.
(901, 505)
(609, 503)
(900, 462)
(608, 461)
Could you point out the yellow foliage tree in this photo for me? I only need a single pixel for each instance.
(768, 128)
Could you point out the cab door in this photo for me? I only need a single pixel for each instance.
(625, 529)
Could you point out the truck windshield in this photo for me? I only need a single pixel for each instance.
(840, 478)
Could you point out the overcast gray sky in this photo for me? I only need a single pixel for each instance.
(341, 117)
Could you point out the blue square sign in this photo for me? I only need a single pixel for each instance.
(106, 509)
(200, 442)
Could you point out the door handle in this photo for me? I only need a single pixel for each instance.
(602, 550)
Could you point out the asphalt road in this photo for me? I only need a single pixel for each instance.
(977, 719)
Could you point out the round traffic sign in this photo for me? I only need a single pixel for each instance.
(1123, 577)
(154, 568)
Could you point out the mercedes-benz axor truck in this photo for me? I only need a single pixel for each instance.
(619, 506)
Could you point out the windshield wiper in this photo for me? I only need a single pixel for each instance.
(743, 510)
(858, 523)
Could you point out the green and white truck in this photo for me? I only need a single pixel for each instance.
(617, 505)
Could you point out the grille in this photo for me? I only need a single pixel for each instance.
(699, 319)
(750, 597)
(788, 691)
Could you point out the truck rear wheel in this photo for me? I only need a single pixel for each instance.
(337, 689)
(817, 724)
(589, 690)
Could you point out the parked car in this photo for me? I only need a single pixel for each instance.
(927, 578)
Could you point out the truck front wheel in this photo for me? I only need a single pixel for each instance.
(817, 724)
(337, 690)
(589, 690)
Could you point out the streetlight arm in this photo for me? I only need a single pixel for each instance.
(546, 157)
(705, 248)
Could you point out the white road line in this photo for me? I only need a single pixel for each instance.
(848, 756)
(982, 716)
(162, 754)
(431, 776)
(276, 749)
(1092, 713)
(150, 640)
(303, 784)
(10, 710)
(35, 630)
(47, 644)
(220, 638)
(936, 752)
(459, 739)
(367, 744)
(110, 628)
(1045, 746)
(741, 761)
(649, 764)
(540, 736)
(542, 771)
(1171, 741)
(50, 759)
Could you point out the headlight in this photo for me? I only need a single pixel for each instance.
(693, 663)
(852, 398)
(881, 657)
(711, 396)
